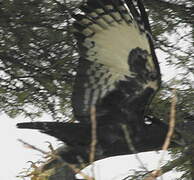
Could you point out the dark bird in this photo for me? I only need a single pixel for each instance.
(118, 74)
(111, 138)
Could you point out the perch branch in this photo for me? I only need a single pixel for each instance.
(158, 172)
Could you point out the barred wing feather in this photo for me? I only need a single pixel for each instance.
(116, 58)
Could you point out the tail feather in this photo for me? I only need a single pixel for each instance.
(33, 125)
(69, 133)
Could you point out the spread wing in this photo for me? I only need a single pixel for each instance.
(118, 70)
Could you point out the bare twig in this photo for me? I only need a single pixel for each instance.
(78, 171)
(94, 134)
(53, 155)
(171, 123)
(71, 166)
(32, 146)
(130, 145)
(93, 137)
(158, 172)
(128, 138)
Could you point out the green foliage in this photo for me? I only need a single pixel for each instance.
(38, 55)
(38, 58)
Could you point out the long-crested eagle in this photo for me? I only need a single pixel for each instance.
(118, 75)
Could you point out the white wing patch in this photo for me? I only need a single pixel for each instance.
(113, 45)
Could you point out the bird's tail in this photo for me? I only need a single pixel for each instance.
(69, 133)
(36, 125)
